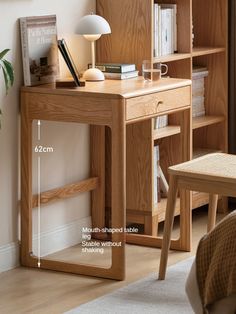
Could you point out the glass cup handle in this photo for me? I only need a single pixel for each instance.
(166, 69)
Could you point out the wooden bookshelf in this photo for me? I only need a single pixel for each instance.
(131, 41)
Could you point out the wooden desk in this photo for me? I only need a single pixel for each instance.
(113, 104)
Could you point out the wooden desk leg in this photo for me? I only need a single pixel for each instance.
(169, 219)
(26, 186)
(97, 155)
(151, 225)
(118, 188)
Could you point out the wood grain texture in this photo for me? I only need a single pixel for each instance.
(131, 24)
(158, 103)
(172, 57)
(199, 122)
(68, 108)
(118, 186)
(79, 269)
(167, 131)
(202, 51)
(213, 200)
(210, 23)
(97, 168)
(151, 225)
(140, 166)
(110, 89)
(26, 182)
(66, 191)
(169, 219)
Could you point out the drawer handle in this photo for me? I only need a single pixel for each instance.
(160, 102)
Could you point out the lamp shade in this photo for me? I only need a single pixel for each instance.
(93, 24)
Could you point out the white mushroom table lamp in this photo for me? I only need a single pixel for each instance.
(92, 27)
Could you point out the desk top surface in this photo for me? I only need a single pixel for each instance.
(112, 88)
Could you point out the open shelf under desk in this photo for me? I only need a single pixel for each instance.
(160, 209)
(199, 122)
(202, 51)
(166, 131)
(172, 57)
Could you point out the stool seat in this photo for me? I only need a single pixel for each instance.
(216, 166)
(214, 174)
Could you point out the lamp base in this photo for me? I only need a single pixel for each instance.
(93, 74)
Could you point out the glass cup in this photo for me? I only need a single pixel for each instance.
(153, 72)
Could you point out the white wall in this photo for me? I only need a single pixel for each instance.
(70, 160)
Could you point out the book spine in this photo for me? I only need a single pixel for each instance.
(155, 37)
(175, 28)
(168, 31)
(155, 175)
(25, 51)
(159, 31)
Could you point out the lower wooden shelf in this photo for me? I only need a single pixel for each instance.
(199, 122)
(160, 209)
(199, 152)
(166, 131)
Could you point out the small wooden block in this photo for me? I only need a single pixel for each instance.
(68, 84)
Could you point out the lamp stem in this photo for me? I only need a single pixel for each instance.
(93, 53)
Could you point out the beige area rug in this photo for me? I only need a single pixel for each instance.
(148, 295)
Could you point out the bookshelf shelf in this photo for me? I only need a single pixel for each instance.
(160, 208)
(203, 51)
(166, 131)
(199, 152)
(199, 122)
(172, 57)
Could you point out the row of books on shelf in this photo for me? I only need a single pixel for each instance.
(165, 29)
(160, 183)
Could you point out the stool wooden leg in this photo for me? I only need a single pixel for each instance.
(169, 219)
(213, 200)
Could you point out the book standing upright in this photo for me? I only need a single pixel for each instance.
(39, 49)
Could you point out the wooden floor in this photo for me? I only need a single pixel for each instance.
(25, 290)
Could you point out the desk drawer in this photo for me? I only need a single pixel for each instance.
(158, 102)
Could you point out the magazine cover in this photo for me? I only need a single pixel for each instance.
(39, 49)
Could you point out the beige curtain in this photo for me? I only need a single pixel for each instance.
(232, 76)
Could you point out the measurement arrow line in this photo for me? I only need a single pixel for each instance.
(39, 130)
(39, 209)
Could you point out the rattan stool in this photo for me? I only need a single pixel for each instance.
(214, 174)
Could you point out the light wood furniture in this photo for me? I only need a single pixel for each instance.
(113, 105)
(214, 174)
(131, 41)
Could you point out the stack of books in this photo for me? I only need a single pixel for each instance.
(198, 91)
(161, 122)
(165, 29)
(117, 71)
